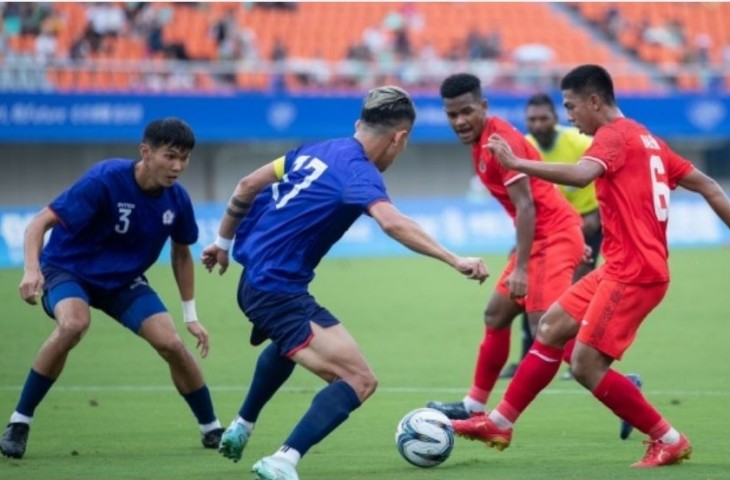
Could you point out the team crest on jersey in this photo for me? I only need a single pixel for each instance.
(168, 217)
(482, 166)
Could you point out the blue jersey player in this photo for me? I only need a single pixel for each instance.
(108, 228)
(286, 216)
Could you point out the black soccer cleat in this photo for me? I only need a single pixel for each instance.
(212, 438)
(14, 440)
(455, 411)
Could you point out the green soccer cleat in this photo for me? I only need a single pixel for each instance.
(233, 441)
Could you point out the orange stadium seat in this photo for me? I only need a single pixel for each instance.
(329, 29)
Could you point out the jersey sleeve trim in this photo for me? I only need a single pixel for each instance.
(514, 179)
(55, 214)
(597, 160)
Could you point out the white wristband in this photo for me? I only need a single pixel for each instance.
(189, 313)
(223, 243)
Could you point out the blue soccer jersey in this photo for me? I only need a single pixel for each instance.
(293, 223)
(110, 231)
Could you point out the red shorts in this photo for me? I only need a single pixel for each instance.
(610, 312)
(549, 269)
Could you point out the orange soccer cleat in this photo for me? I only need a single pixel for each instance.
(483, 429)
(660, 454)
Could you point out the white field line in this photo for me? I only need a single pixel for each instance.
(381, 390)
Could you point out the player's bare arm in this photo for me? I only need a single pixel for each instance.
(410, 234)
(32, 282)
(521, 196)
(713, 194)
(576, 175)
(238, 206)
(184, 271)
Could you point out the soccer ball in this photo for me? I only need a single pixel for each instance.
(425, 437)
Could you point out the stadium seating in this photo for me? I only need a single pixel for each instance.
(326, 30)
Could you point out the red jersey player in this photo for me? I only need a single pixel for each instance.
(634, 173)
(549, 239)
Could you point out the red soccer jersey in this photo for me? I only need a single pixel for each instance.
(552, 212)
(633, 198)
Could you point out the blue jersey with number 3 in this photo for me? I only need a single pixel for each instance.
(110, 231)
(293, 223)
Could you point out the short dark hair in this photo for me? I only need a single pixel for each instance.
(387, 106)
(460, 83)
(541, 99)
(171, 132)
(588, 79)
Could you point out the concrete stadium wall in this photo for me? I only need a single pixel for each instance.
(35, 174)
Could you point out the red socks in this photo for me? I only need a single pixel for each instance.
(493, 355)
(625, 400)
(536, 371)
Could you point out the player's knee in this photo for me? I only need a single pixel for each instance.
(171, 349)
(71, 330)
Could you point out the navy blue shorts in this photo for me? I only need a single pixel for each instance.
(282, 317)
(130, 305)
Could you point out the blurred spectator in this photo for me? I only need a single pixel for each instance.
(46, 43)
(106, 19)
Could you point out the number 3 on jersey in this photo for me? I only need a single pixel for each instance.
(660, 189)
(314, 164)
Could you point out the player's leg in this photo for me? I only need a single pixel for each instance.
(536, 370)
(332, 354)
(271, 372)
(492, 355)
(67, 302)
(141, 310)
(623, 308)
(526, 341)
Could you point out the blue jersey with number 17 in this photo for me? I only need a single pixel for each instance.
(110, 231)
(293, 223)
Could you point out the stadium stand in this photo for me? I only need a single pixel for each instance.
(169, 46)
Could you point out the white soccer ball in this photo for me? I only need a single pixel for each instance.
(425, 437)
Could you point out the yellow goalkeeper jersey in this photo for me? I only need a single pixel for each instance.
(568, 148)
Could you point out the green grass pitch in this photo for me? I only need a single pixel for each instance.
(114, 413)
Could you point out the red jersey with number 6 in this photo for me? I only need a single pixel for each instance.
(633, 197)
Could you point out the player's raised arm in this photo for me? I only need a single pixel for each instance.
(713, 194)
(238, 206)
(576, 175)
(410, 234)
(31, 285)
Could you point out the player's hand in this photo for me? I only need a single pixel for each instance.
(31, 286)
(473, 267)
(212, 256)
(198, 331)
(587, 254)
(516, 283)
(501, 149)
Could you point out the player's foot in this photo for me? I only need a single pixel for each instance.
(274, 468)
(509, 371)
(455, 411)
(626, 427)
(14, 440)
(212, 438)
(483, 429)
(659, 453)
(233, 441)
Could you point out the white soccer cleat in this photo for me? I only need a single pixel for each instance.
(274, 468)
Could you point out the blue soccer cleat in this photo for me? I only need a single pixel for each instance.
(274, 468)
(626, 427)
(233, 441)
